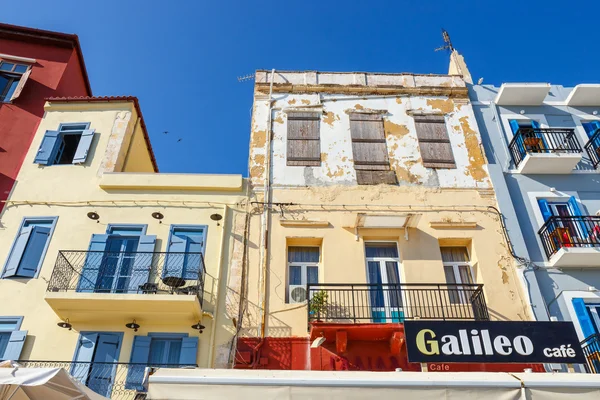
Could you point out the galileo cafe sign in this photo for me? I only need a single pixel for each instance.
(492, 342)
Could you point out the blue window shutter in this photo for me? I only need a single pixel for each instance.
(174, 262)
(14, 258)
(535, 124)
(585, 322)
(140, 353)
(84, 355)
(589, 128)
(47, 150)
(32, 256)
(189, 351)
(574, 206)
(514, 125)
(142, 263)
(93, 263)
(545, 208)
(84, 146)
(15, 345)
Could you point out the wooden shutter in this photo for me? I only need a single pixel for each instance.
(366, 177)
(303, 144)
(21, 84)
(434, 143)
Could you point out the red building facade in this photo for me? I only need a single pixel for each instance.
(34, 65)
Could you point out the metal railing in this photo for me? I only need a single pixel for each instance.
(593, 148)
(355, 302)
(128, 272)
(572, 231)
(549, 141)
(121, 381)
(591, 350)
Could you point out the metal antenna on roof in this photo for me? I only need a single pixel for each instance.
(245, 78)
(448, 46)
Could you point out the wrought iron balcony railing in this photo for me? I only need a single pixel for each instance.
(593, 148)
(540, 141)
(591, 350)
(351, 302)
(128, 272)
(122, 381)
(559, 232)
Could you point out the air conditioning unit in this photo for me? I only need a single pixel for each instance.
(297, 293)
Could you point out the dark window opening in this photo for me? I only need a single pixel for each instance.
(67, 148)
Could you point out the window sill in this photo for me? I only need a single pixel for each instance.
(303, 223)
(452, 225)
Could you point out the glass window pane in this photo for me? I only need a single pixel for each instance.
(465, 274)
(312, 275)
(391, 268)
(20, 68)
(455, 254)
(6, 66)
(174, 352)
(11, 90)
(381, 250)
(157, 351)
(449, 272)
(303, 254)
(4, 338)
(295, 275)
(71, 128)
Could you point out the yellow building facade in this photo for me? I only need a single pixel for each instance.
(128, 260)
(371, 198)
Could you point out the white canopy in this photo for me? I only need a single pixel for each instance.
(43, 384)
(353, 385)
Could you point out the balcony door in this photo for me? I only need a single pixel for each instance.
(383, 274)
(566, 230)
(117, 265)
(95, 360)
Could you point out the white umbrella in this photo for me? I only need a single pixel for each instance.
(17, 383)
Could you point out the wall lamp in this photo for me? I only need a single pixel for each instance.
(216, 217)
(94, 216)
(133, 325)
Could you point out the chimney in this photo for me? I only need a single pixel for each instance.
(458, 66)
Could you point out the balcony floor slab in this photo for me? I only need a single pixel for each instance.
(549, 163)
(576, 257)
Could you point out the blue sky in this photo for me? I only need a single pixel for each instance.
(181, 58)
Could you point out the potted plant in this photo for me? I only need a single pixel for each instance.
(318, 303)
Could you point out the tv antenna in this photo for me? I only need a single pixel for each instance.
(448, 45)
(245, 78)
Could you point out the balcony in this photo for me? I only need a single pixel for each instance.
(395, 303)
(102, 286)
(572, 241)
(545, 151)
(122, 381)
(591, 350)
(593, 148)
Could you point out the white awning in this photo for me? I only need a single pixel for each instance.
(522, 94)
(337, 385)
(584, 95)
(42, 383)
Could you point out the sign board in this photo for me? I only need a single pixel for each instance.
(492, 342)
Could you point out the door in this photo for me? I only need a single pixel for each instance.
(530, 140)
(117, 264)
(184, 252)
(385, 294)
(95, 360)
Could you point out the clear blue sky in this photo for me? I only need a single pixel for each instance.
(181, 58)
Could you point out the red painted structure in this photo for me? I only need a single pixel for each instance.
(59, 70)
(362, 347)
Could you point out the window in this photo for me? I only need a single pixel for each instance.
(383, 270)
(303, 145)
(29, 248)
(159, 349)
(457, 268)
(303, 268)
(12, 79)
(68, 145)
(369, 150)
(591, 128)
(11, 338)
(185, 251)
(434, 143)
(568, 230)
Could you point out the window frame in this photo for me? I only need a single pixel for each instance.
(303, 270)
(61, 134)
(18, 321)
(143, 228)
(204, 228)
(165, 336)
(14, 76)
(42, 258)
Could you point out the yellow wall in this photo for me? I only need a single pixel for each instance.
(69, 192)
(138, 158)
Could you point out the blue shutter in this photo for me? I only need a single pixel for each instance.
(84, 146)
(15, 345)
(535, 124)
(174, 262)
(140, 354)
(93, 264)
(14, 258)
(585, 322)
(80, 369)
(32, 255)
(514, 125)
(142, 262)
(47, 150)
(545, 208)
(189, 351)
(574, 206)
(582, 231)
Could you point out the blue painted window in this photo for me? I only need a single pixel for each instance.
(29, 248)
(591, 127)
(95, 359)
(186, 247)
(11, 338)
(69, 144)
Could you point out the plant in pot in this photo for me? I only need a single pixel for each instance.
(318, 303)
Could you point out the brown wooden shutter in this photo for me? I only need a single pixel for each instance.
(303, 144)
(369, 150)
(434, 143)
